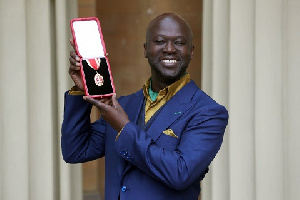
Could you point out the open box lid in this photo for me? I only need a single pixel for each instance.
(88, 36)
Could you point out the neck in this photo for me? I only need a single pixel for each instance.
(156, 86)
(159, 82)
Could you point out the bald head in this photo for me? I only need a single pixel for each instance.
(166, 19)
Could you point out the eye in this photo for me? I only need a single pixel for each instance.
(180, 42)
(159, 42)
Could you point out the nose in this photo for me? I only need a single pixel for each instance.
(169, 47)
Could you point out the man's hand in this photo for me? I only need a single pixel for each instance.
(111, 111)
(74, 69)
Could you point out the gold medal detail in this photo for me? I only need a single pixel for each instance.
(98, 79)
(95, 64)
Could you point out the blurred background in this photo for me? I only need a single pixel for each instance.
(246, 57)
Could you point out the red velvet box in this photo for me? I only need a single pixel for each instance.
(95, 68)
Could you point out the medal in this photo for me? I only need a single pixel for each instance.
(98, 79)
(95, 64)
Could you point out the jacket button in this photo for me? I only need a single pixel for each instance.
(124, 188)
(124, 153)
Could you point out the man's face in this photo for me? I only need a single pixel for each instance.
(169, 48)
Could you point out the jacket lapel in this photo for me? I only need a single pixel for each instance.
(172, 110)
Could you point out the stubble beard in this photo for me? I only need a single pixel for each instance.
(166, 78)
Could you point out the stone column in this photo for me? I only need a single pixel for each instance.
(241, 100)
(254, 74)
(269, 94)
(291, 99)
(215, 70)
(33, 77)
(14, 110)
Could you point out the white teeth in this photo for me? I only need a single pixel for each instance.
(169, 61)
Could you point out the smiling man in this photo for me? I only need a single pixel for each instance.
(169, 49)
(157, 142)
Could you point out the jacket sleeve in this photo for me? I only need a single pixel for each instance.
(199, 143)
(81, 140)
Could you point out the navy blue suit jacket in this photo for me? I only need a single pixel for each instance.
(145, 163)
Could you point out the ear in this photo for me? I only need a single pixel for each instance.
(192, 53)
(145, 50)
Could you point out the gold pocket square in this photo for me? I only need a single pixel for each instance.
(170, 133)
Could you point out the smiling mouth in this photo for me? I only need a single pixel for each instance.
(169, 61)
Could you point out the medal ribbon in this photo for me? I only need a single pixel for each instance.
(94, 63)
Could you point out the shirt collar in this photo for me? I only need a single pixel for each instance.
(168, 91)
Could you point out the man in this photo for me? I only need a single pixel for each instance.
(159, 141)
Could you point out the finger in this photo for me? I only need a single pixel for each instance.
(72, 43)
(75, 56)
(74, 62)
(115, 102)
(74, 68)
(90, 100)
(106, 101)
(97, 103)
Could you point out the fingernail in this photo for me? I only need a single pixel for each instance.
(84, 97)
